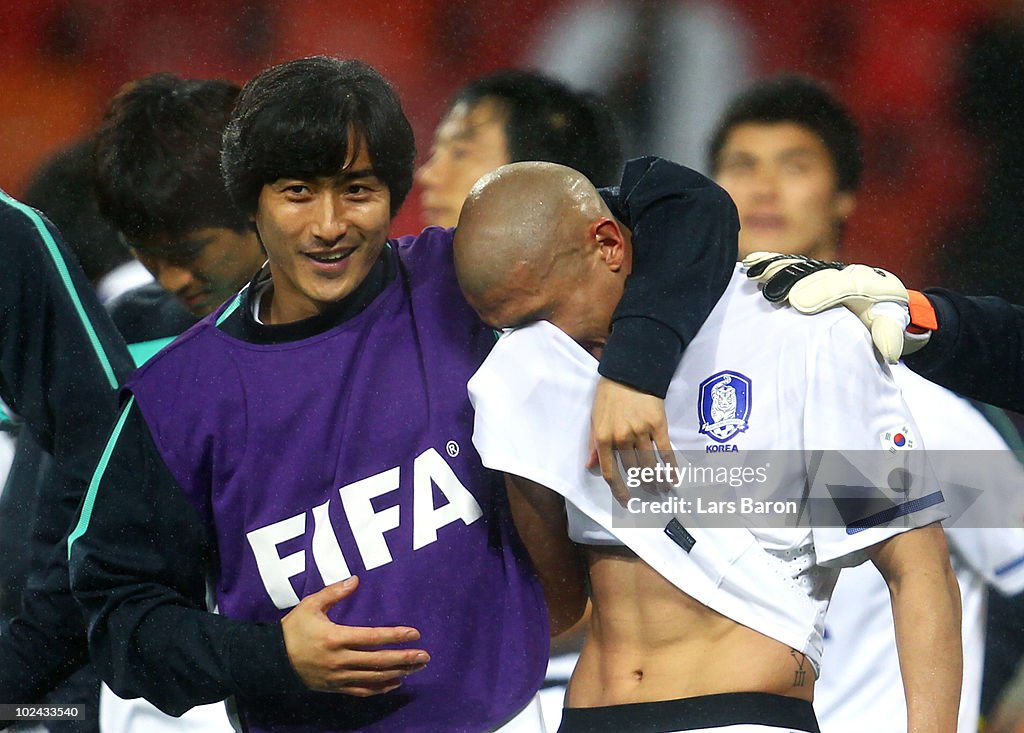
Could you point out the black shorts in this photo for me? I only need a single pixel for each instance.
(695, 713)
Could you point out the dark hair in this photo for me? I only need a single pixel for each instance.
(802, 101)
(293, 120)
(62, 188)
(545, 120)
(157, 155)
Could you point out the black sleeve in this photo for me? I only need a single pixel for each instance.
(149, 313)
(61, 359)
(139, 558)
(978, 349)
(45, 642)
(60, 363)
(684, 229)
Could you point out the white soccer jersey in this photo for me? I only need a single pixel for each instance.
(860, 686)
(754, 378)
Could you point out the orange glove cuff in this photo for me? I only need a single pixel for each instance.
(922, 314)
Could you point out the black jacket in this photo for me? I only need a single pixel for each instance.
(978, 349)
(61, 361)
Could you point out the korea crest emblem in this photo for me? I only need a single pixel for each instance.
(724, 405)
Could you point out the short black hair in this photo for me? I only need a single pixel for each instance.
(157, 157)
(293, 120)
(62, 188)
(802, 101)
(547, 121)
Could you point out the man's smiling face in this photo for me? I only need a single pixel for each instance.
(322, 235)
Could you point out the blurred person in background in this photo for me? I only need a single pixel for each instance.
(158, 181)
(789, 154)
(651, 60)
(511, 116)
(62, 189)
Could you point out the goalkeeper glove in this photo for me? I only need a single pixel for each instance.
(875, 296)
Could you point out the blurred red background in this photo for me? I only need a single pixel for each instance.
(895, 64)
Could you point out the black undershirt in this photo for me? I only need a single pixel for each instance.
(242, 325)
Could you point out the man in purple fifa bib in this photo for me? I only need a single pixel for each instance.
(317, 428)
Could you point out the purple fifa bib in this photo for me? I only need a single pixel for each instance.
(350, 452)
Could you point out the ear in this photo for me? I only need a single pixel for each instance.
(844, 204)
(607, 237)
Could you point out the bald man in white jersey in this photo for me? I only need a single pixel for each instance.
(698, 629)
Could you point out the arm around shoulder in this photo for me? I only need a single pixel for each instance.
(685, 230)
(978, 349)
(684, 236)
